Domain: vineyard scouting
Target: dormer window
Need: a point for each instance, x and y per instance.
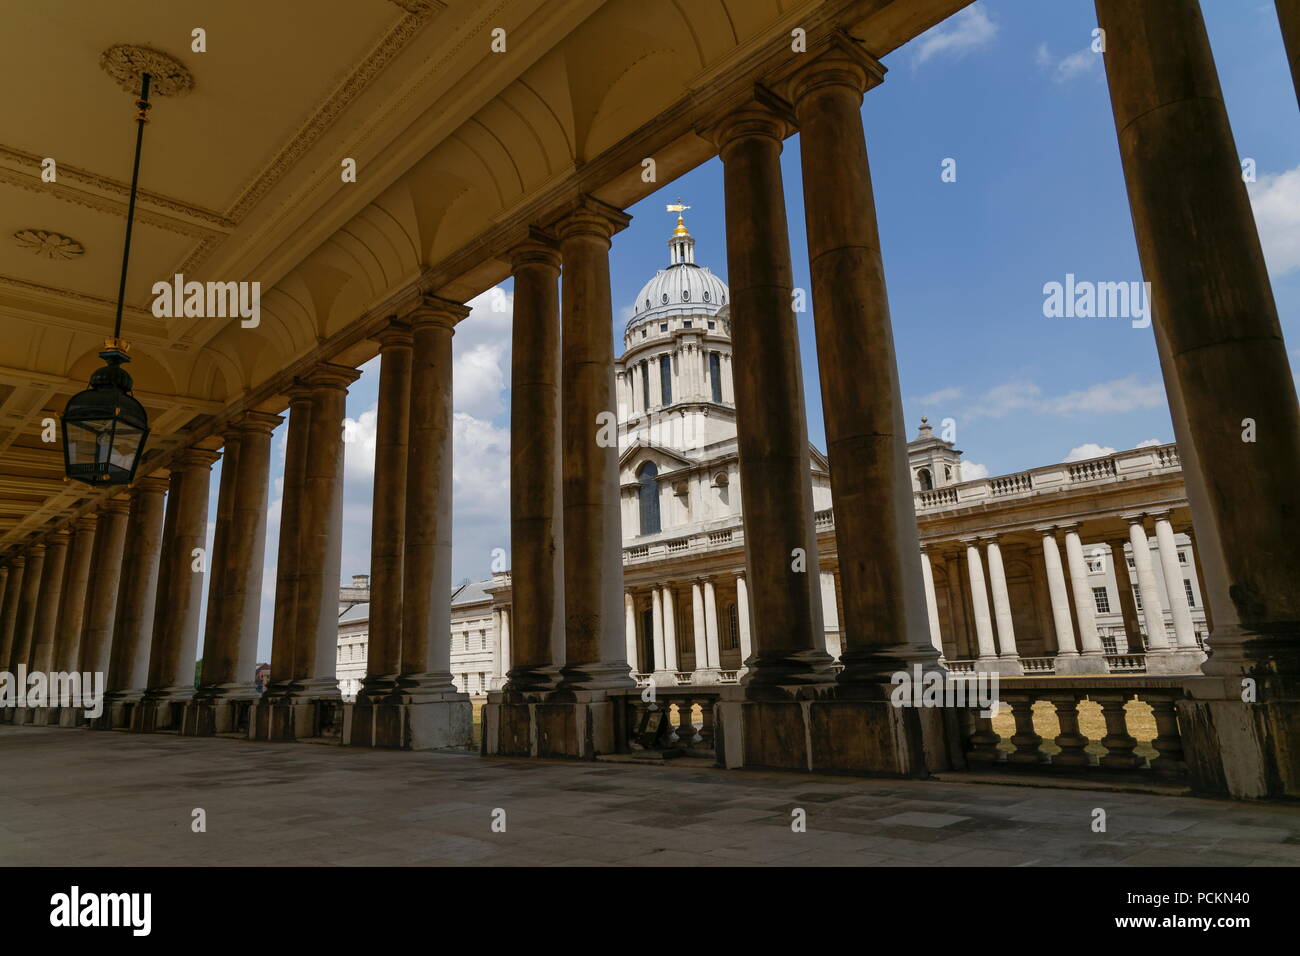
(706, 295)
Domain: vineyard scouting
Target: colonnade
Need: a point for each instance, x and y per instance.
(707, 626)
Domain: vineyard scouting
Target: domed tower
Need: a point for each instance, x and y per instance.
(674, 376)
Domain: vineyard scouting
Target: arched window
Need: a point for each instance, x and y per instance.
(648, 494)
(924, 481)
(733, 629)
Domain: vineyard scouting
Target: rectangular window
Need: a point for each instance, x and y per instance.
(663, 326)
(1102, 600)
(1182, 557)
(686, 324)
(1187, 586)
(1097, 565)
(666, 379)
(1137, 597)
(713, 325)
(715, 376)
(1129, 561)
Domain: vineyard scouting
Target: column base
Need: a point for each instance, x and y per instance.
(158, 714)
(706, 675)
(1081, 664)
(426, 724)
(1242, 749)
(1178, 661)
(827, 729)
(1003, 666)
(296, 718)
(596, 676)
(207, 717)
(118, 708)
(580, 724)
(783, 668)
(664, 678)
(877, 663)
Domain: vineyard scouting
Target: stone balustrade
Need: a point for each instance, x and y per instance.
(676, 722)
(1065, 694)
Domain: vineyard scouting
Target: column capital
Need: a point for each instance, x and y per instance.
(197, 458)
(1046, 530)
(539, 249)
(394, 333)
(17, 561)
(971, 540)
(57, 537)
(35, 549)
(117, 505)
(1135, 517)
(767, 116)
(1164, 514)
(590, 218)
(435, 310)
(152, 484)
(257, 422)
(329, 375)
(840, 61)
(87, 522)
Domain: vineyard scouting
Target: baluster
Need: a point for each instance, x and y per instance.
(636, 713)
(686, 723)
(984, 742)
(1026, 741)
(706, 725)
(1119, 743)
(673, 738)
(1073, 744)
(1168, 742)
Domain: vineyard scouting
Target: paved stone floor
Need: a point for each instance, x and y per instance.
(76, 797)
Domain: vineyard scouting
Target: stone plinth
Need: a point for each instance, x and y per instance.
(438, 724)
(578, 724)
(1242, 749)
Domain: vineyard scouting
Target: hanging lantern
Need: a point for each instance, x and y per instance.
(104, 427)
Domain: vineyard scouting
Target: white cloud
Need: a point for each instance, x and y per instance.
(1149, 443)
(478, 380)
(966, 30)
(970, 471)
(1275, 198)
(1087, 450)
(1114, 397)
(1069, 67)
(359, 446)
(940, 397)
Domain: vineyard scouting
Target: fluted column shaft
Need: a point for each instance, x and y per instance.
(41, 655)
(27, 606)
(72, 609)
(772, 433)
(1216, 328)
(593, 537)
(1153, 611)
(670, 629)
(180, 588)
(388, 521)
(103, 588)
(1127, 604)
(284, 624)
(657, 626)
(629, 632)
(698, 628)
(536, 516)
(885, 620)
(711, 624)
(128, 670)
(13, 598)
(1174, 590)
(426, 564)
(742, 612)
(230, 644)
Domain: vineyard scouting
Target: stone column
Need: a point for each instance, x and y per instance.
(657, 637)
(320, 534)
(41, 655)
(289, 554)
(1220, 343)
(27, 605)
(988, 655)
(1127, 605)
(698, 631)
(669, 605)
(742, 616)
(1008, 656)
(536, 533)
(711, 624)
(1200, 579)
(629, 632)
(931, 602)
(128, 668)
(1092, 656)
(239, 551)
(218, 562)
(957, 606)
(1066, 654)
(885, 619)
(772, 433)
(102, 590)
(9, 619)
(593, 537)
(1174, 590)
(1288, 16)
(173, 651)
(505, 640)
(76, 581)
(388, 521)
(1153, 611)
(426, 590)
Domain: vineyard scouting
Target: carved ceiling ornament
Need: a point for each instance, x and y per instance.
(49, 245)
(126, 63)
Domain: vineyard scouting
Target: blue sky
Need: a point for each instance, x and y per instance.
(1010, 90)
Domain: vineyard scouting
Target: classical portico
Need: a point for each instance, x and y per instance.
(806, 581)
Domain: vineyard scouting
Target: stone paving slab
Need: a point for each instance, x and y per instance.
(74, 797)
